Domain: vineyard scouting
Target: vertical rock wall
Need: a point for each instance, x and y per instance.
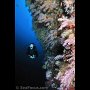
(54, 23)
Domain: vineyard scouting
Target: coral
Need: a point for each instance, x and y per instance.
(54, 23)
(67, 78)
(70, 23)
(48, 74)
(58, 57)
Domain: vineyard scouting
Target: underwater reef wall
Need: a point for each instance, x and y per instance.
(54, 24)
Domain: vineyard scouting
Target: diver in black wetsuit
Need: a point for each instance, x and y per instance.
(32, 51)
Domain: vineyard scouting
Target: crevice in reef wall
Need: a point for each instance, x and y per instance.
(54, 24)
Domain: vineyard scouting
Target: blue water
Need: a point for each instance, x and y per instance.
(27, 72)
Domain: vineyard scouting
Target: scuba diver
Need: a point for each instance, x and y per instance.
(32, 51)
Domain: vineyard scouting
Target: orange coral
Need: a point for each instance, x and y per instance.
(71, 88)
(71, 25)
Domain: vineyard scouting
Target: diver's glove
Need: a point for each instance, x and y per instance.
(32, 57)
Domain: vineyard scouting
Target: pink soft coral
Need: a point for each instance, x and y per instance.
(67, 78)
